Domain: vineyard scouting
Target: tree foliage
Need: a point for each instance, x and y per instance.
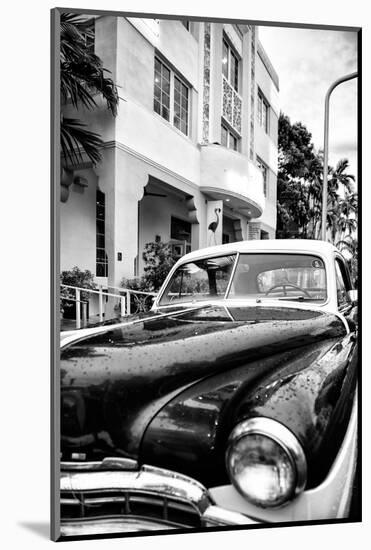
(299, 192)
(158, 261)
(75, 277)
(299, 188)
(82, 79)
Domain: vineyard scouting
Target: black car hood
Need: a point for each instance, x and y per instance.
(115, 382)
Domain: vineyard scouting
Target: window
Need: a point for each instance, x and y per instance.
(230, 64)
(180, 229)
(228, 139)
(101, 268)
(263, 112)
(342, 285)
(264, 170)
(180, 106)
(162, 90)
(200, 280)
(295, 277)
(171, 97)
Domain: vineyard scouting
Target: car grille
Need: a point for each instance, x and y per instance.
(128, 504)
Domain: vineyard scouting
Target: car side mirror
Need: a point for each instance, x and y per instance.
(353, 295)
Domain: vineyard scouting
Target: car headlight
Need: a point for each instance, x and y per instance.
(265, 462)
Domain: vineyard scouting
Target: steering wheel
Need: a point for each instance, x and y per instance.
(284, 286)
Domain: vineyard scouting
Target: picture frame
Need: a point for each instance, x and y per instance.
(56, 239)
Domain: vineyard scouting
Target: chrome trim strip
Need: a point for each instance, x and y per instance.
(281, 435)
(232, 276)
(108, 463)
(115, 525)
(148, 479)
(216, 516)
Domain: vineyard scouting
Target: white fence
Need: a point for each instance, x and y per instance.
(110, 304)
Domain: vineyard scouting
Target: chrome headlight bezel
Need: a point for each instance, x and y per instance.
(284, 438)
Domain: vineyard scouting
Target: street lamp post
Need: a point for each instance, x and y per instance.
(325, 148)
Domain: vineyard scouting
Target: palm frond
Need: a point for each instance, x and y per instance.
(74, 137)
(82, 72)
(82, 78)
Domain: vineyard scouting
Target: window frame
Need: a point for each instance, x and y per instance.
(230, 134)
(219, 295)
(175, 220)
(100, 208)
(173, 77)
(231, 53)
(263, 104)
(261, 164)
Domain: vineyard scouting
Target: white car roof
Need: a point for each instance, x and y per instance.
(268, 245)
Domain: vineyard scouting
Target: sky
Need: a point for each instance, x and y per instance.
(308, 61)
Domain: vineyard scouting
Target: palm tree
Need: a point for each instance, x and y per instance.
(82, 78)
(349, 244)
(336, 205)
(340, 177)
(315, 206)
(347, 222)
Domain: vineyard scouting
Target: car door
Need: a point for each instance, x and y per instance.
(349, 310)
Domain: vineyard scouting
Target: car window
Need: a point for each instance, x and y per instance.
(342, 285)
(200, 280)
(301, 277)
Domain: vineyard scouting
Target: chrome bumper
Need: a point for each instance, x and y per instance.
(115, 496)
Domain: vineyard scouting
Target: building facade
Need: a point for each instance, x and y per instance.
(190, 159)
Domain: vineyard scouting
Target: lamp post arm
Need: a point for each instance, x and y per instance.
(325, 149)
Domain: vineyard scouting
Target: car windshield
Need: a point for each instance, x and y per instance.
(291, 277)
(299, 277)
(200, 280)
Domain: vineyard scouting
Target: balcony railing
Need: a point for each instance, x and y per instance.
(231, 105)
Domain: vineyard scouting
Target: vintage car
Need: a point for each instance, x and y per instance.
(232, 402)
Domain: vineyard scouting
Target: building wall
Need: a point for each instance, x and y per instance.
(266, 144)
(78, 225)
(135, 57)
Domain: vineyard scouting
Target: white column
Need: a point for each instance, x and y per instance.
(122, 178)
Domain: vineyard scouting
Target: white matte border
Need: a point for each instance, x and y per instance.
(25, 271)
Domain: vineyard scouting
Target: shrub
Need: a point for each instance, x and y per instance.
(158, 261)
(77, 277)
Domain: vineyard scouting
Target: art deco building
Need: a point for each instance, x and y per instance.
(191, 157)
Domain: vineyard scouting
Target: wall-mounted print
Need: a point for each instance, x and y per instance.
(205, 207)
